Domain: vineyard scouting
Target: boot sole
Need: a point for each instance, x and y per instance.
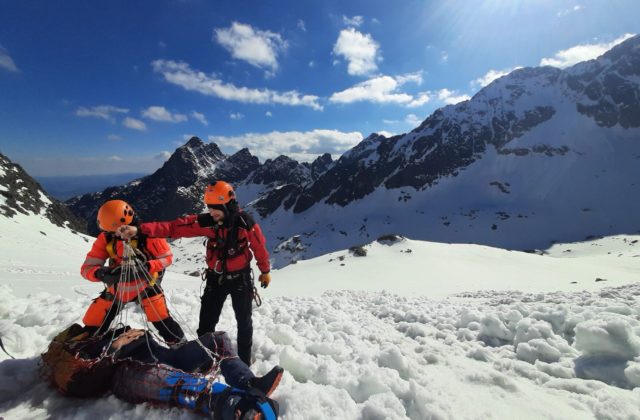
(275, 384)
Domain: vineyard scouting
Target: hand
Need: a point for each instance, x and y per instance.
(265, 279)
(105, 275)
(126, 338)
(127, 232)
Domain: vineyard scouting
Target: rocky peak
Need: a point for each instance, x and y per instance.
(20, 193)
(607, 88)
(281, 170)
(237, 167)
(320, 165)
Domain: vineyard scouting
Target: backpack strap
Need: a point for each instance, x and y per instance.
(111, 245)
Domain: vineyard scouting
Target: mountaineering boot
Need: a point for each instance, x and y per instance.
(247, 410)
(269, 382)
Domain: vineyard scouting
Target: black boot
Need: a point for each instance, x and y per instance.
(269, 382)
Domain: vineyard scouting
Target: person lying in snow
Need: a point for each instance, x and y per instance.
(137, 369)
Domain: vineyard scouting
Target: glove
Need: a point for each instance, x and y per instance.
(105, 275)
(265, 279)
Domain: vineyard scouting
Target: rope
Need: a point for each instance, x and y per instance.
(143, 274)
(5, 350)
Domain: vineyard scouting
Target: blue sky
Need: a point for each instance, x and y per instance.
(112, 87)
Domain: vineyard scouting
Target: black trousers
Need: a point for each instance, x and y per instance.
(240, 287)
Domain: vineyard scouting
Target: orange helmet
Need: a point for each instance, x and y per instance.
(218, 192)
(113, 214)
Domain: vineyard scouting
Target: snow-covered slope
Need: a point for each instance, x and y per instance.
(517, 339)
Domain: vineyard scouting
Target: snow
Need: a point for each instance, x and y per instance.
(445, 331)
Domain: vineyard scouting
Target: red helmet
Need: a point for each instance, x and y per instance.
(218, 192)
(113, 214)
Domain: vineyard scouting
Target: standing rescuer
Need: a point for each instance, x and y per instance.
(119, 289)
(233, 239)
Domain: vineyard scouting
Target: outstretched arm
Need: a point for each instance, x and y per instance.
(162, 255)
(183, 227)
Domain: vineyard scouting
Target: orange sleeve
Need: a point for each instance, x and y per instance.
(162, 256)
(95, 258)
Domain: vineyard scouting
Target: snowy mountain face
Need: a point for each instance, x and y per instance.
(21, 194)
(174, 189)
(538, 156)
(177, 187)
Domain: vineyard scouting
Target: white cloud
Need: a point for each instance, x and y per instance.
(301, 146)
(236, 116)
(490, 76)
(353, 21)
(301, 25)
(181, 74)
(383, 89)
(160, 113)
(312, 64)
(374, 20)
(583, 52)
(256, 47)
(387, 134)
(421, 99)
(164, 155)
(360, 51)
(412, 120)
(268, 114)
(566, 12)
(444, 56)
(199, 117)
(6, 62)
(390, 121)
(114, 137)
(106, 112)
(134, 124)
(115, 158)
(451, 97)
(410, 77)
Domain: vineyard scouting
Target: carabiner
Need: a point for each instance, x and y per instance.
(215, 267)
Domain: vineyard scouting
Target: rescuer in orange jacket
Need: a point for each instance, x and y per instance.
(121, 289)
(234, 238)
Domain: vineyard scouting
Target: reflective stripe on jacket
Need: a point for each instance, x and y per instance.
(157, 251)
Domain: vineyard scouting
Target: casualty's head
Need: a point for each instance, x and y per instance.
(113, 214)
(220, 200)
